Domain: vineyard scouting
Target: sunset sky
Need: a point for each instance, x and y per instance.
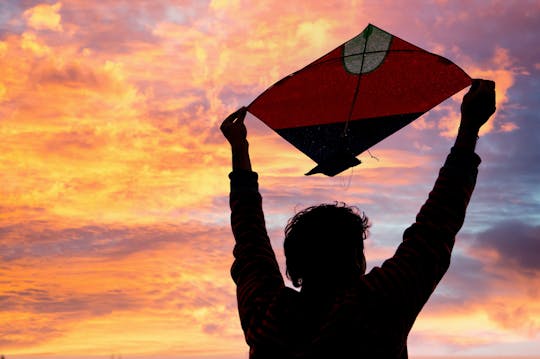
(114, 218)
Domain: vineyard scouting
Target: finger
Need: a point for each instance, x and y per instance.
(475, 84)
(490, 84)
(241, 115)
(487, 87)
(232, 117)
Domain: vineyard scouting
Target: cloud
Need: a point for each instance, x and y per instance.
(490, 288)
(32, 331)
(521, 316)
(500, 69)
(44, 17)
(29, 65)
(496, 277)
(30, 42)
(503, 73)
(466, 283)
(217, 5)
(46, 302)
(512, 244)
(89, 276)
(75, 75)
(54, 240)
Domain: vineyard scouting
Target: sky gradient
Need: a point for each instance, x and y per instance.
(114, 218)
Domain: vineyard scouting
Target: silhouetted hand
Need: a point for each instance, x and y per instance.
(478, 104)
(235, 132)
(233, 128)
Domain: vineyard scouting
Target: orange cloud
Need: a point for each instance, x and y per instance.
(30, 42)
(44, 17)
(503, 73)
(501, 69)
(75, 294)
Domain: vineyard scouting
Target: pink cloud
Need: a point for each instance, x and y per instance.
(500, 69)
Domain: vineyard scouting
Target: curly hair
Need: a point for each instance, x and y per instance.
(323, 240)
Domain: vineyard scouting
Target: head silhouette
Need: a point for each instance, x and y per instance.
(325, 244)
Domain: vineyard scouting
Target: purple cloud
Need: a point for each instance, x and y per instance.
(516, 243)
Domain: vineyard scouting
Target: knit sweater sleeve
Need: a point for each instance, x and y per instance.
(255, 269)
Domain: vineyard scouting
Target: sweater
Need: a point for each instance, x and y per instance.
(371, 318)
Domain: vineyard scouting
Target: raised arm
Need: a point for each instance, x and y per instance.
(447, 202)
(234, 130)
(410, 276)
(255, 269)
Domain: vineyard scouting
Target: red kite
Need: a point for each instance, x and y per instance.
(355, 96)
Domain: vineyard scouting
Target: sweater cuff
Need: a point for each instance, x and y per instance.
(244, 180)
(462, 159)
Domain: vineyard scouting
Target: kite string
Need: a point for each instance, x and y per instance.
(346, 128)
(353, 102)
(345, 182)
(370, 155)
(349, 178)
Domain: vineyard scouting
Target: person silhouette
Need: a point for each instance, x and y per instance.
(340, 311)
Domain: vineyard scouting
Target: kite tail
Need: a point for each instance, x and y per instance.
(335, 164)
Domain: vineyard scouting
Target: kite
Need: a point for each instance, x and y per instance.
(355, 96)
